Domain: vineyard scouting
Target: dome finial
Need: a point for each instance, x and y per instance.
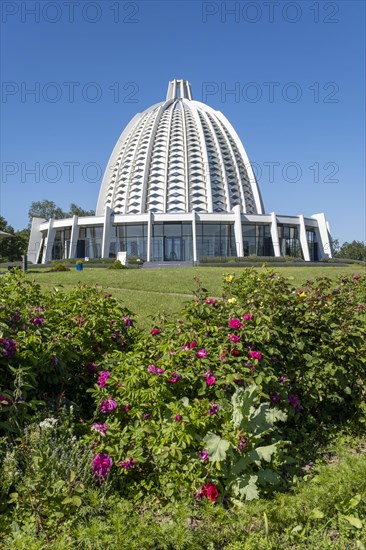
(179, 89)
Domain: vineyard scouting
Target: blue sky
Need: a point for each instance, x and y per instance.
(290, 77)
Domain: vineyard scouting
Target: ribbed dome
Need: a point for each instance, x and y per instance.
(178, 156)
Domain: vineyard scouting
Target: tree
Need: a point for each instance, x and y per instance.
(12, 248)
(356, 250)
(4, 226)
(48, 209)
(76, 210)
(45, 209)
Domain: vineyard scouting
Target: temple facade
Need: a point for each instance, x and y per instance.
(179, 187)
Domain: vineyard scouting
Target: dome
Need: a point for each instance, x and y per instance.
(179, 156)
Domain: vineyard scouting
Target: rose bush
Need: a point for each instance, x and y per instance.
(51, 344)
(206, 400)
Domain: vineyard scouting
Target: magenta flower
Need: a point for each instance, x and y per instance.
(38, 321)
(108, 405)
(210, 380)
(127, 464)
(147, 416)
(214, 407)
(92, 368)
(101, 465)
(247, 317)
(234, 338)
(204, 456)
(127, 408)
(282, 379)
(154, 370)
(178, 418)
(189, 345)
(275, 398)
(100, 428)
(103, 377)
(175, 377)
(256, 355)
(235, 352)
(294, 401)
(8, 348)
(235, 324)
(356, 276)
(201, 353)
(128, 321)
(155, 331)
(210, 301)
(243, 443)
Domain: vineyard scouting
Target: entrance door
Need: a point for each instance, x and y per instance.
(173, 249)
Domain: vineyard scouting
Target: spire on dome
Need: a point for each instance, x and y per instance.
(179, 89)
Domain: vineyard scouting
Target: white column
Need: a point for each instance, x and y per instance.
(47, 251)
(149, 236)
(274, 235)
(107, 227)
(35, 240)
(303, 239)
(326, 246)
(74, 237)
(194, 237)
(238, 231)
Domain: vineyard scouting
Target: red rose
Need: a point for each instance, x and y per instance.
(211, 491)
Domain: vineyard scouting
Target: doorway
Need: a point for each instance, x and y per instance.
(173, 249)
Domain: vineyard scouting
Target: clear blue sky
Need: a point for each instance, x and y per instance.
(296, 70)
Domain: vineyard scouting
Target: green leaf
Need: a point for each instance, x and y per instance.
(246, 488)
(355, 501)
(76, 501)
(268, 476)
(316, 514)
(265, 453)
(355, 522)
(216, 447)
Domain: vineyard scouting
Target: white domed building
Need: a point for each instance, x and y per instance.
(179, 187)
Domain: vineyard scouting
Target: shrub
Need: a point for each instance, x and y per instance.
(134, 260)
(59, 267)
(117, 264)
(45, 476)
(194, 408)
(51, 344)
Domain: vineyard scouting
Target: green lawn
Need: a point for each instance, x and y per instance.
(147, 292)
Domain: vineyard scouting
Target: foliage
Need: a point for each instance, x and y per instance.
(253, 258)
(48, 209)
(12, 248)
(313, 515)
(355, 250)
(117, 264)
(59, 267)
(51, 344)
(134, 260)
(45, 475)
(313, 337)
(198, 400)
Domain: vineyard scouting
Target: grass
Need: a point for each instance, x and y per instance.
(149, 291)
(325, 511)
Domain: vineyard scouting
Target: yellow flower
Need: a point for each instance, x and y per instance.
(229, 278)
(232, 301)
(302, 295)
